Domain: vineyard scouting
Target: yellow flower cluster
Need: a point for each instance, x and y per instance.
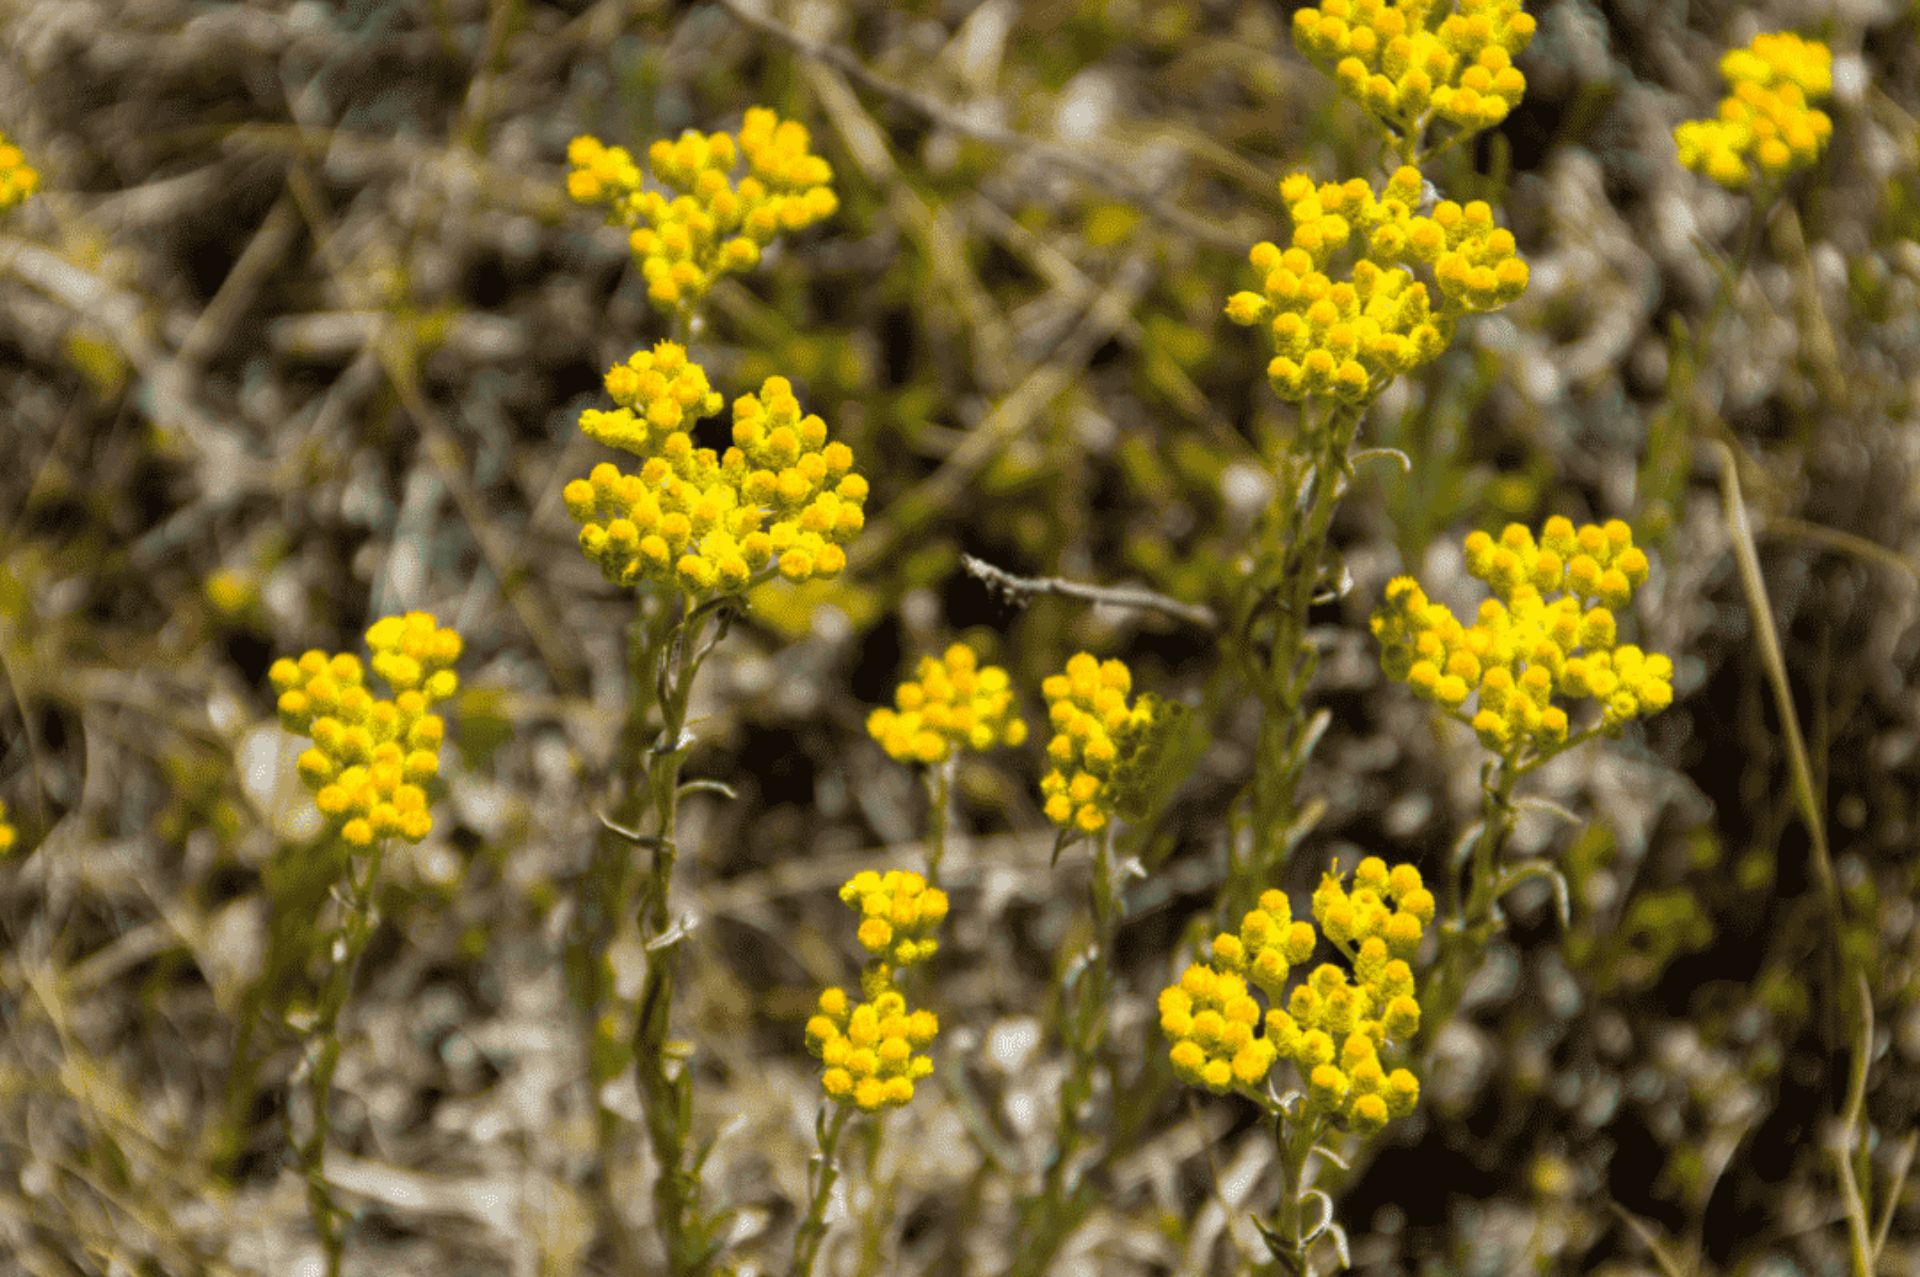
(1213, 1021)
(898, 912)
(1410, 61)
(1097, 744)
(660, 393)
(1333, 1029)
(1767, 118)
(8, 834)
(1349, 337)
(952, 703)
(18, 179)
(704, 223)
(371, 758)
(782, 498)
(871, 1049)
(1549, 631)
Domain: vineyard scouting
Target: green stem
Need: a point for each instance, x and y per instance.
(1049, 1219)
(607, 909)
(667, 1094)
(242, 1071)
(661, 661)
(1294, 1142)
(1855, 1186)
(873, 1231)
(1470, 925)
(939, 816)
(344, 947)
(1280, 591)
(1406, 146)
(821, 1177)
(1496, 826)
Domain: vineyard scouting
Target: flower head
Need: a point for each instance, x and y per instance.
(1339, 1029)
(371, 758)
(782, 499)
(659, 393)
(873, 1050)
(1103, 743)
(1767, 126)
(703, 218)
(952, 703)
(1549, 633)
(18, 179)
(1346, 333)
(1214, 1024)
(1409, 62)
(899, 914)
(9, 836)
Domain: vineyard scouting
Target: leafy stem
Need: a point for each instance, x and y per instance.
(344, 949)
(623, 900)
(875, 1219)
(822, 1173)
(666, 1092)
(605, 904)
(1085, 994)
(1471, 921)
(1270, 632)
(1291, 1237)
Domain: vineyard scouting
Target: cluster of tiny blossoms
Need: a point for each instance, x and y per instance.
(1767, 121)
(1348, 337)
(8, 834)
(704, 223)
(899, 914)
(371, 758)
(1335, 1030)
(782, 498)
(1549, 631)
(658, 393)
(872, 1050)
(18, 179)
(952, 703)
(1395, 59)
(1097, 742)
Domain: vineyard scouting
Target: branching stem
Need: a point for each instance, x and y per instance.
(1008, 584)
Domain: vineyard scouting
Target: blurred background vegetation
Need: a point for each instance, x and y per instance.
(296, 335)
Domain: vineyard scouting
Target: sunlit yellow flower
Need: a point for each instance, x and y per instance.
(371, 758)
(18, 179)
(1338, 1031)
(872, 1051)
(1767, 126)
(952, 703)
(1413, 61)
(1550, 631)
(1099, 743)
(782, 500)
(898, 912)
(699, 220)
(1346, 333)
